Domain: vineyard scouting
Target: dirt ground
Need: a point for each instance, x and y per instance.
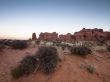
(71, 68)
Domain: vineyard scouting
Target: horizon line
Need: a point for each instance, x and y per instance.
(7, 36)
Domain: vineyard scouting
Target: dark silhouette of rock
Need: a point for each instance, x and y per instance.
(34, 36)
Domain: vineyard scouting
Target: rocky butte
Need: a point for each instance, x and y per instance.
(82, 35)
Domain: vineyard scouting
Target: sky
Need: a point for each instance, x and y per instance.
(20, 18)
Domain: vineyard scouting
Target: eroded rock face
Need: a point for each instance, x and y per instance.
(82, 35)
(91, 35)
(34, 36)
(66, 38)
(48, 36)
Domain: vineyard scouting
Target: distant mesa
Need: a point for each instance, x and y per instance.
(82, 35)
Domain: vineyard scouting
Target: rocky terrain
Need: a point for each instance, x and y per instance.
(71, 68)
(82, 35)
(73, 65)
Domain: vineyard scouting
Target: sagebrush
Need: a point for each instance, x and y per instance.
(27, 65)
(19, 44)
(108, 48)
(81, 50)
(48, 57)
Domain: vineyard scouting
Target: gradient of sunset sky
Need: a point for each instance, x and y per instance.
(20, 18)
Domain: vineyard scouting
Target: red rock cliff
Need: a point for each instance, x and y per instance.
(91, 35)
(48, 36)
(82, 35)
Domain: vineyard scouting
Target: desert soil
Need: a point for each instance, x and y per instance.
(71, 68)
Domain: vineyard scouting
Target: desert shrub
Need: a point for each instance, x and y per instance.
(17, 72)
(63, 47)
(19, 44)
(99, 43)
(90, 69)
(38, 42)
(2, 47)
(57, 43)
(108, 48)
(81, 50)
(27, 65)
(69, 47)
(48, 59)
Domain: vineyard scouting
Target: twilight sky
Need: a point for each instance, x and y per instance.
(20, 18)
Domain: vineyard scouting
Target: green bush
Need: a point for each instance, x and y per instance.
(19, 44)
(27, 66)
(48, 59)
(81, 50)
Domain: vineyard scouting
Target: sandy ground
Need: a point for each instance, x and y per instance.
(68, 70)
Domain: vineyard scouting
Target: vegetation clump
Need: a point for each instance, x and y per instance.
(1, 47)
(81, 50)
(90, 69)
(63, 46)
(27, 65)
(19, 44)
(48, 57)
(108, 48)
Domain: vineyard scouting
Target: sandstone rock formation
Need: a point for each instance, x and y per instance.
(48, 36)
(91, 35)
(66, 38)
(34, 36)
(82, 35)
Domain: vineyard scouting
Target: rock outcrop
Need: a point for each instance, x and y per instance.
(82, 35)
(48, 36)
(91, 35)
(34, 36)
(66, 38)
